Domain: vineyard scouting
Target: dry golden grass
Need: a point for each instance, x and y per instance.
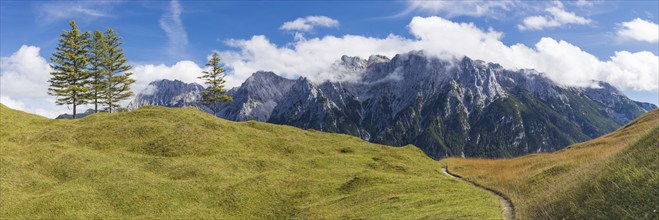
(539, 184)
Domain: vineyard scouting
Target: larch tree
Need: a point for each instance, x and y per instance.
(117, 76)
(214, 79)
(97, 55)
(70, 77)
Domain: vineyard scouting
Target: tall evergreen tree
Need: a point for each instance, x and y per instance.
(117, 77)
(97, 55)
(214, 78)
(70, 77)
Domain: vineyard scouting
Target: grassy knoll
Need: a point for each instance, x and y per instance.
(160, 163)
(613, 176)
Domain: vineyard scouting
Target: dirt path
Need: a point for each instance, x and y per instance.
(507, 208)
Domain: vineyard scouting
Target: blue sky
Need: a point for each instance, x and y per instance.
(573, 41)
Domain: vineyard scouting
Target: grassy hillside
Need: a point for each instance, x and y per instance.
(613, 176)
(181, 163)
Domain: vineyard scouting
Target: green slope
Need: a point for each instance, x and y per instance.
(615, 176)
(628, 187)
(181, 163)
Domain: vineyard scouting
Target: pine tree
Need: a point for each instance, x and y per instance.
(117, 78)
(97, 54)
(214, 78)
(69, 77)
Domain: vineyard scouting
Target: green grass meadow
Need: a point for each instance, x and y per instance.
(156, 163)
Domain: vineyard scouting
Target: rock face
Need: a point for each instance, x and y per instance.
(168, 93)
(445, 107)
(256, 97)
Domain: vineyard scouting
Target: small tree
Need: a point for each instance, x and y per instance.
(70, 76)
(214, 78)
(97, 55)
(117, 78)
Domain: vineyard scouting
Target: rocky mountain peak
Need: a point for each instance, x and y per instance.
(263, 75)
(353, 62)
(168, 85)
(468, 63)
(606, 88)
(263, 80)
(413, 58)
(256, 97)
(170, 93)
(377, 59)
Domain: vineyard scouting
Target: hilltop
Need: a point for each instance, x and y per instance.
(158, 162)
(610, 177)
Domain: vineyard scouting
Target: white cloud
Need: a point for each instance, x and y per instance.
(637, 71)
(563, 62)
(640, 30)
(172, 25)
(149, 90)
(311, 58)
(51, 11)
(25, 73)
(41, 106)
(11, 103)
(308, 23)
(186, 71)
(584, 3)
(452, 8)
(24, 83)
(557, 17)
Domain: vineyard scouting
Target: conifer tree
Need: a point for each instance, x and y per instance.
(117, 77)
(70, 77)
(214, 78)
(97, 55)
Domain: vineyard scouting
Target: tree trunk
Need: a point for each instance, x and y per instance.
(74, 108)
(96, 101)
(110, 87)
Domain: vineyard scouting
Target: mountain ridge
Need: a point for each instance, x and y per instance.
(446, 107)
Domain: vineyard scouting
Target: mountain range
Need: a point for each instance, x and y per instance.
(446, 107)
